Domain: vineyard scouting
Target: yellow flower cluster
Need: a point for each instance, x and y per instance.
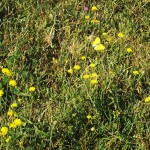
(4, 131)
(7, 72)
(32, 89)
(17, 122)
(147, 99)
(12, 83)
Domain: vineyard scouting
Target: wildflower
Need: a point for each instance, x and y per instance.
(121, 35)
(19, 100)
(86, 76)
(14, 105)
(86, 8)
(135, 72)
(8, 139)
(104, 34)
(77, 67)
(1, 93)
(4, 131)
(87, 17)
(32, 89)
(92, 129)
(129, 50)
(10, 112)
(94, 8)
(83, 58)
(94, 81)
(12, 83)
(88, 116)
(95, 21)
(92, 65)
(147, 99)
(70, 71)
(93, 75)
(6, 71)
(16, 123)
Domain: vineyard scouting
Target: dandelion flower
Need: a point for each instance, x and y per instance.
(94, 75)
(88, 116)
(32, 89)
(12, 83)
(86, 76)
(10, 112)
(129, 50)
(94, 8)
(14, 105)
(94, 81)
(120, 34)
(1, 93)
(95, 21)
(147, 99)
(8, 139)
(83, 58)
(17, 122)
(4, 131)
(135, 72)
(87, 17)
(7, 71)
(104, 34)
(92, 65)
(76, 67)
(70, 71)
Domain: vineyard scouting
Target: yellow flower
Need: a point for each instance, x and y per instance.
(129, 50)
(17, 122)
(12, 83)
(104, 34)
(77, 67)
(19, 100)
(147, 99)
(92, 129)
(7, 71)
(94, 81)
(83, 58)
(94, 8)
(86, 76)
(1, 93)
(32, 89)
(94, 75)
(92, 65)
(8, 139)
(135, 72)
(88, 116)
(10, 112)
(14, 105)
(70, 71)
(87, 17)
(121, 35)
(4, 131)
(95, 21)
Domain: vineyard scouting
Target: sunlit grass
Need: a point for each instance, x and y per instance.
(74, 75)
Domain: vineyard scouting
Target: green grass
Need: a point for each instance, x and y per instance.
(40, 41)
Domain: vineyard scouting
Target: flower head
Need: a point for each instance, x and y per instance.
(70, 71)
(87, 17)
(147, 99)
(120, 34)
(86, 8)
(94, 81)
(10, 112)
(88, 116)
(32, 89)
(94, 8)
(129, 50)
(7, 71)
(17, 122)
(83, 58)
(14, 105)
(94, 75)
(4, 131)
(86, 76)
(12, 83)
(1, 93)
(76, 67)
(92, 65)
(135, 72)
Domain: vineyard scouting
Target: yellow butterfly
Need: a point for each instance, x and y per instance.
(97, 45)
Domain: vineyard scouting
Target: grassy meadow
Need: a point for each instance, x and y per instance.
(74, 75)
